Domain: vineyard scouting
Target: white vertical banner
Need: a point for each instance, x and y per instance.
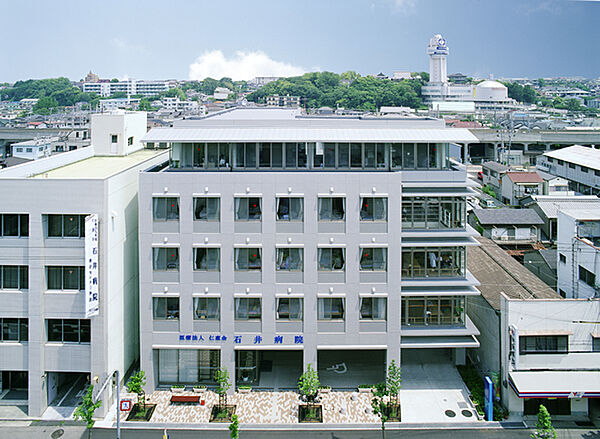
(91, 265)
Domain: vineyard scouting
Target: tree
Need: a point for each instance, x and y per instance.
(45, 105)
(144, 105)
(136, 384)
(544, 425)
(394, 381)
(234, 431)
(221, 376)
(380, 404)
(86, 409)
(308, 384)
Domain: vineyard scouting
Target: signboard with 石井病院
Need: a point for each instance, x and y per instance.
(91, 266)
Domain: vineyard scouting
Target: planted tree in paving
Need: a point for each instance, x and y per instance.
(85, 411)
(136, 384)
(394, 381)
(381, 404)
(308, 384)
(544, 425)
(223, 385)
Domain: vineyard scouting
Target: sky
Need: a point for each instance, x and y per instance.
(241, 39)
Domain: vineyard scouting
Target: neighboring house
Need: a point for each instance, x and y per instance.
(519, 185)
(506, 225)
(579, 253)
(492, 175)
(554, 185)
(221, 93)
(33, 149)
(542, 263)
(283, 101)
(547, 207)
(578, 164)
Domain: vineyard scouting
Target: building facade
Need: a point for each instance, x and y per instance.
(273, 244)
(578, 164)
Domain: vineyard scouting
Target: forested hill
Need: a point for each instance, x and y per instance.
(348, 90)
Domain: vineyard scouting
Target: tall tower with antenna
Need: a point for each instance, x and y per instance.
(438, 52)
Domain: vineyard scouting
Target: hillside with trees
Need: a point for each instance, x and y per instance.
(348, 90)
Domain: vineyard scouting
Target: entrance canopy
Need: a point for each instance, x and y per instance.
(556, 384)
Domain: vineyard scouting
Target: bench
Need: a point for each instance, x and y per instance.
(185, 398)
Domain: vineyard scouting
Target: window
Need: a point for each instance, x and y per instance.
(584, 169)
(247, 308)
(373, 209)
(563, 258)
(14, 225)
(433, 310)
(597, 173)
(544, 344)
(65, 278)
(330, 308)
(13, 329)
(68, 330)
(165, 208)
(572, 165)
(550, 159)
(130, 141)
(207, 209)
(373, 308)
(206, 308)
(207, 259)
(28, 150)
(66, 226)
(247, 209)
(290, 259)
(587, 276)
(113, 138)
(433, 212)
(331, 259)
(247, 259)
(14, 277)
(560, 162)
(165, 308)
(289, 308)
(187, 366)
(332, 209)
(165, 259)
(595, 344)
(290, 209)
(433, 262)
(373, 259)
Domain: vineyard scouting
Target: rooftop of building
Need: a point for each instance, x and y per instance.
(587, 214)
(498, 272)
(524, 177)
(577, 154)
(551, 206)
(495, 166)
(507, 216)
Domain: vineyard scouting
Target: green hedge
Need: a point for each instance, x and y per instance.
(476, 386)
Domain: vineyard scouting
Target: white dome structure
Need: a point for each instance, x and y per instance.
(490, 91)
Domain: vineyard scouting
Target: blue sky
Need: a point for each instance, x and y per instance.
(237, 38)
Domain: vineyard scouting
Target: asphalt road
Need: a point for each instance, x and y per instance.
(69, 432)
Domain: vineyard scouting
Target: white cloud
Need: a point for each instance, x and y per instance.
(242, 65)
(403, 6)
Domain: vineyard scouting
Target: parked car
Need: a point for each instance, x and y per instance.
(488, 203)
(480, 175)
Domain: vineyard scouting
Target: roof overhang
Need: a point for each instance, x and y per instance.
(555, 384)
(469, 341)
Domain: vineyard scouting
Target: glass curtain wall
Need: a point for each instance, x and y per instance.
(433, 310)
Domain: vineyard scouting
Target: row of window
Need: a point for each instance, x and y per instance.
(16, 277)
(415, 310)
(287, 259)
(13, 329)
(58, 226)
(584, 169)
(303, 156)
(58, 330)
(288, 209)
(14, 225)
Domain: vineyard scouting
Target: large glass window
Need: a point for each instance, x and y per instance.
(290, 209)
(247, 308)
(331, 259)
(330, 308)
(66, 226)
(14, 329)
(207, 259)
(207, 209)
(14, 277)
(418, 155)
(247, 259)
(433, 212)
(332, 209)
(14, 225)
(68, 330)
(164, 258)
(165, 208)
(65, 278)
(289, 259)
(373, 209)
(373, 259)
(373, 308)
(544, 344)
(289, 308)
(165, 308)
(433, 262)
(187, 366)
(433, 310)
(247, 209)
(295, 155)
(206, 308)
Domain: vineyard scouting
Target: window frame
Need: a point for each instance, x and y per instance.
(368, 253)
(81, 324)
(322, 208)
(22, 329)
(364, 203)
(80, 226)
(161, 211)
(206, 250)
(210, 315)
(157, 259)
(248, 265)
(257, 217)
(559, 340)
(162, 308)
(250, 315)
(280, 314)
(210, 217)
(326, 313)
(22, 225)
(322, 250)
(22, 277)
(278, 205)
(374, 314)
(62, 268)
(280, 253)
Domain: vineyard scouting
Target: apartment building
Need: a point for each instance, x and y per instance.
(130, 87)
(578, 164)
(578, 243)
(67, 321)
(270, 243)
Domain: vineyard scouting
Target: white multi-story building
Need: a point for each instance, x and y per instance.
(177, 105)
(130, 87)
(49, 349)
(267, 244)
(578, 164)
(578, 251)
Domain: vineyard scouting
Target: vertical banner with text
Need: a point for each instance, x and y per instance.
(91, 265)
